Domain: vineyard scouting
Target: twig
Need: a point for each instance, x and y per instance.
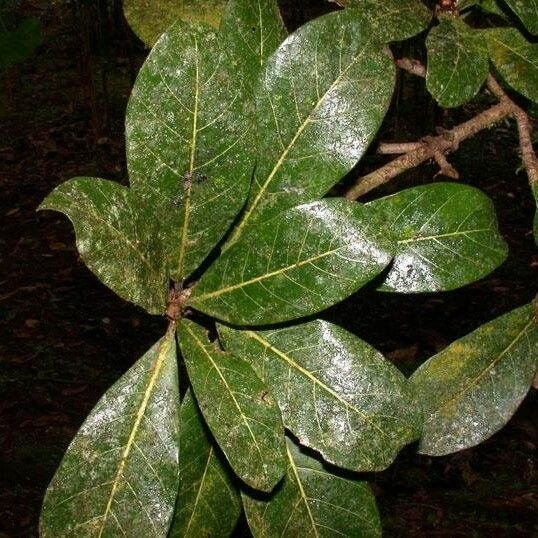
(448, 141)
(414, 67)
(416, 153)
(530, 162)
(397, 148)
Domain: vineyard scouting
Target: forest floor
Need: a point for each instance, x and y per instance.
(64, 337)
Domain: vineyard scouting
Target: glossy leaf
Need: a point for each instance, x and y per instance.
(473, 387)
(116, 238)
(527, 11)
(447, 237)
(391, 20)
(491, 6)
(313, 502)
(516, 60)
(208, 504)
(252, 31)
(151, 18)
(458, 62)
(188, 142)
(302, 261)
(238, 408)
(119, 476)
(320, 102)
(337, 394)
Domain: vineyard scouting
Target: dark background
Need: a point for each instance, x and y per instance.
(64, 337)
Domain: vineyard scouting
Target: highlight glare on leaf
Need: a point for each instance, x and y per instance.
(299, 263)
(337, 394)
(125, 455)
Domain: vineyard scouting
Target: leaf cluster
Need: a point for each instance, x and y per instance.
(235, 136)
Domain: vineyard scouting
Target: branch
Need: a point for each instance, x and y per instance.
(416, 153)
(530, 162)
(386, 148)
(428, 149)
(415, 67)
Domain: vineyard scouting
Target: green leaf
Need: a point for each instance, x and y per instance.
(491, 7)
(19, 44)
(116, 238)
(458, 62)
(447, 237)
(472, 388)
(391, 20)
(337, 394)
(299, 263)
(237, 406)
(527, 11)
(150, 18)
(516, 60)
(320, 102)
(189, 151)
(313, 502)
(252, 30)
(208, 504)
(119, 476)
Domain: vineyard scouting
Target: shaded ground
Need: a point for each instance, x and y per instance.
(64, 338)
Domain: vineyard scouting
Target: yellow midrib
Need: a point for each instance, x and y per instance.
(283, 156)
(163, 351)
(488, 368)
(260, 278)
(187, 204)
(228, 388)
(304, 497)
(313, 379)
(198, 493)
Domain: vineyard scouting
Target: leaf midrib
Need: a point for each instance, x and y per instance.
(163, 351)
(228, 388)
(289, 147)
(313, 379)
(187, 203)
(488, 368)
(302, 492)
(265, 276)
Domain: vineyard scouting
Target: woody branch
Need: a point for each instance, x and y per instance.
(415, 153)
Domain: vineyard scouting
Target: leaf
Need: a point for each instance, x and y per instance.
(321, 100)
(472, 388)
(447, 237)
(19, 44)
(458, 62)
(491, 7)
(151, 18)
(116, 238)
(208, 503)
(391, 20)
(237, 407)
(313, 502)
(252, 31)
(189, 151)
(119, 476)
(337, 394)
(299, 263)
(527, 11)
(516, 60)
